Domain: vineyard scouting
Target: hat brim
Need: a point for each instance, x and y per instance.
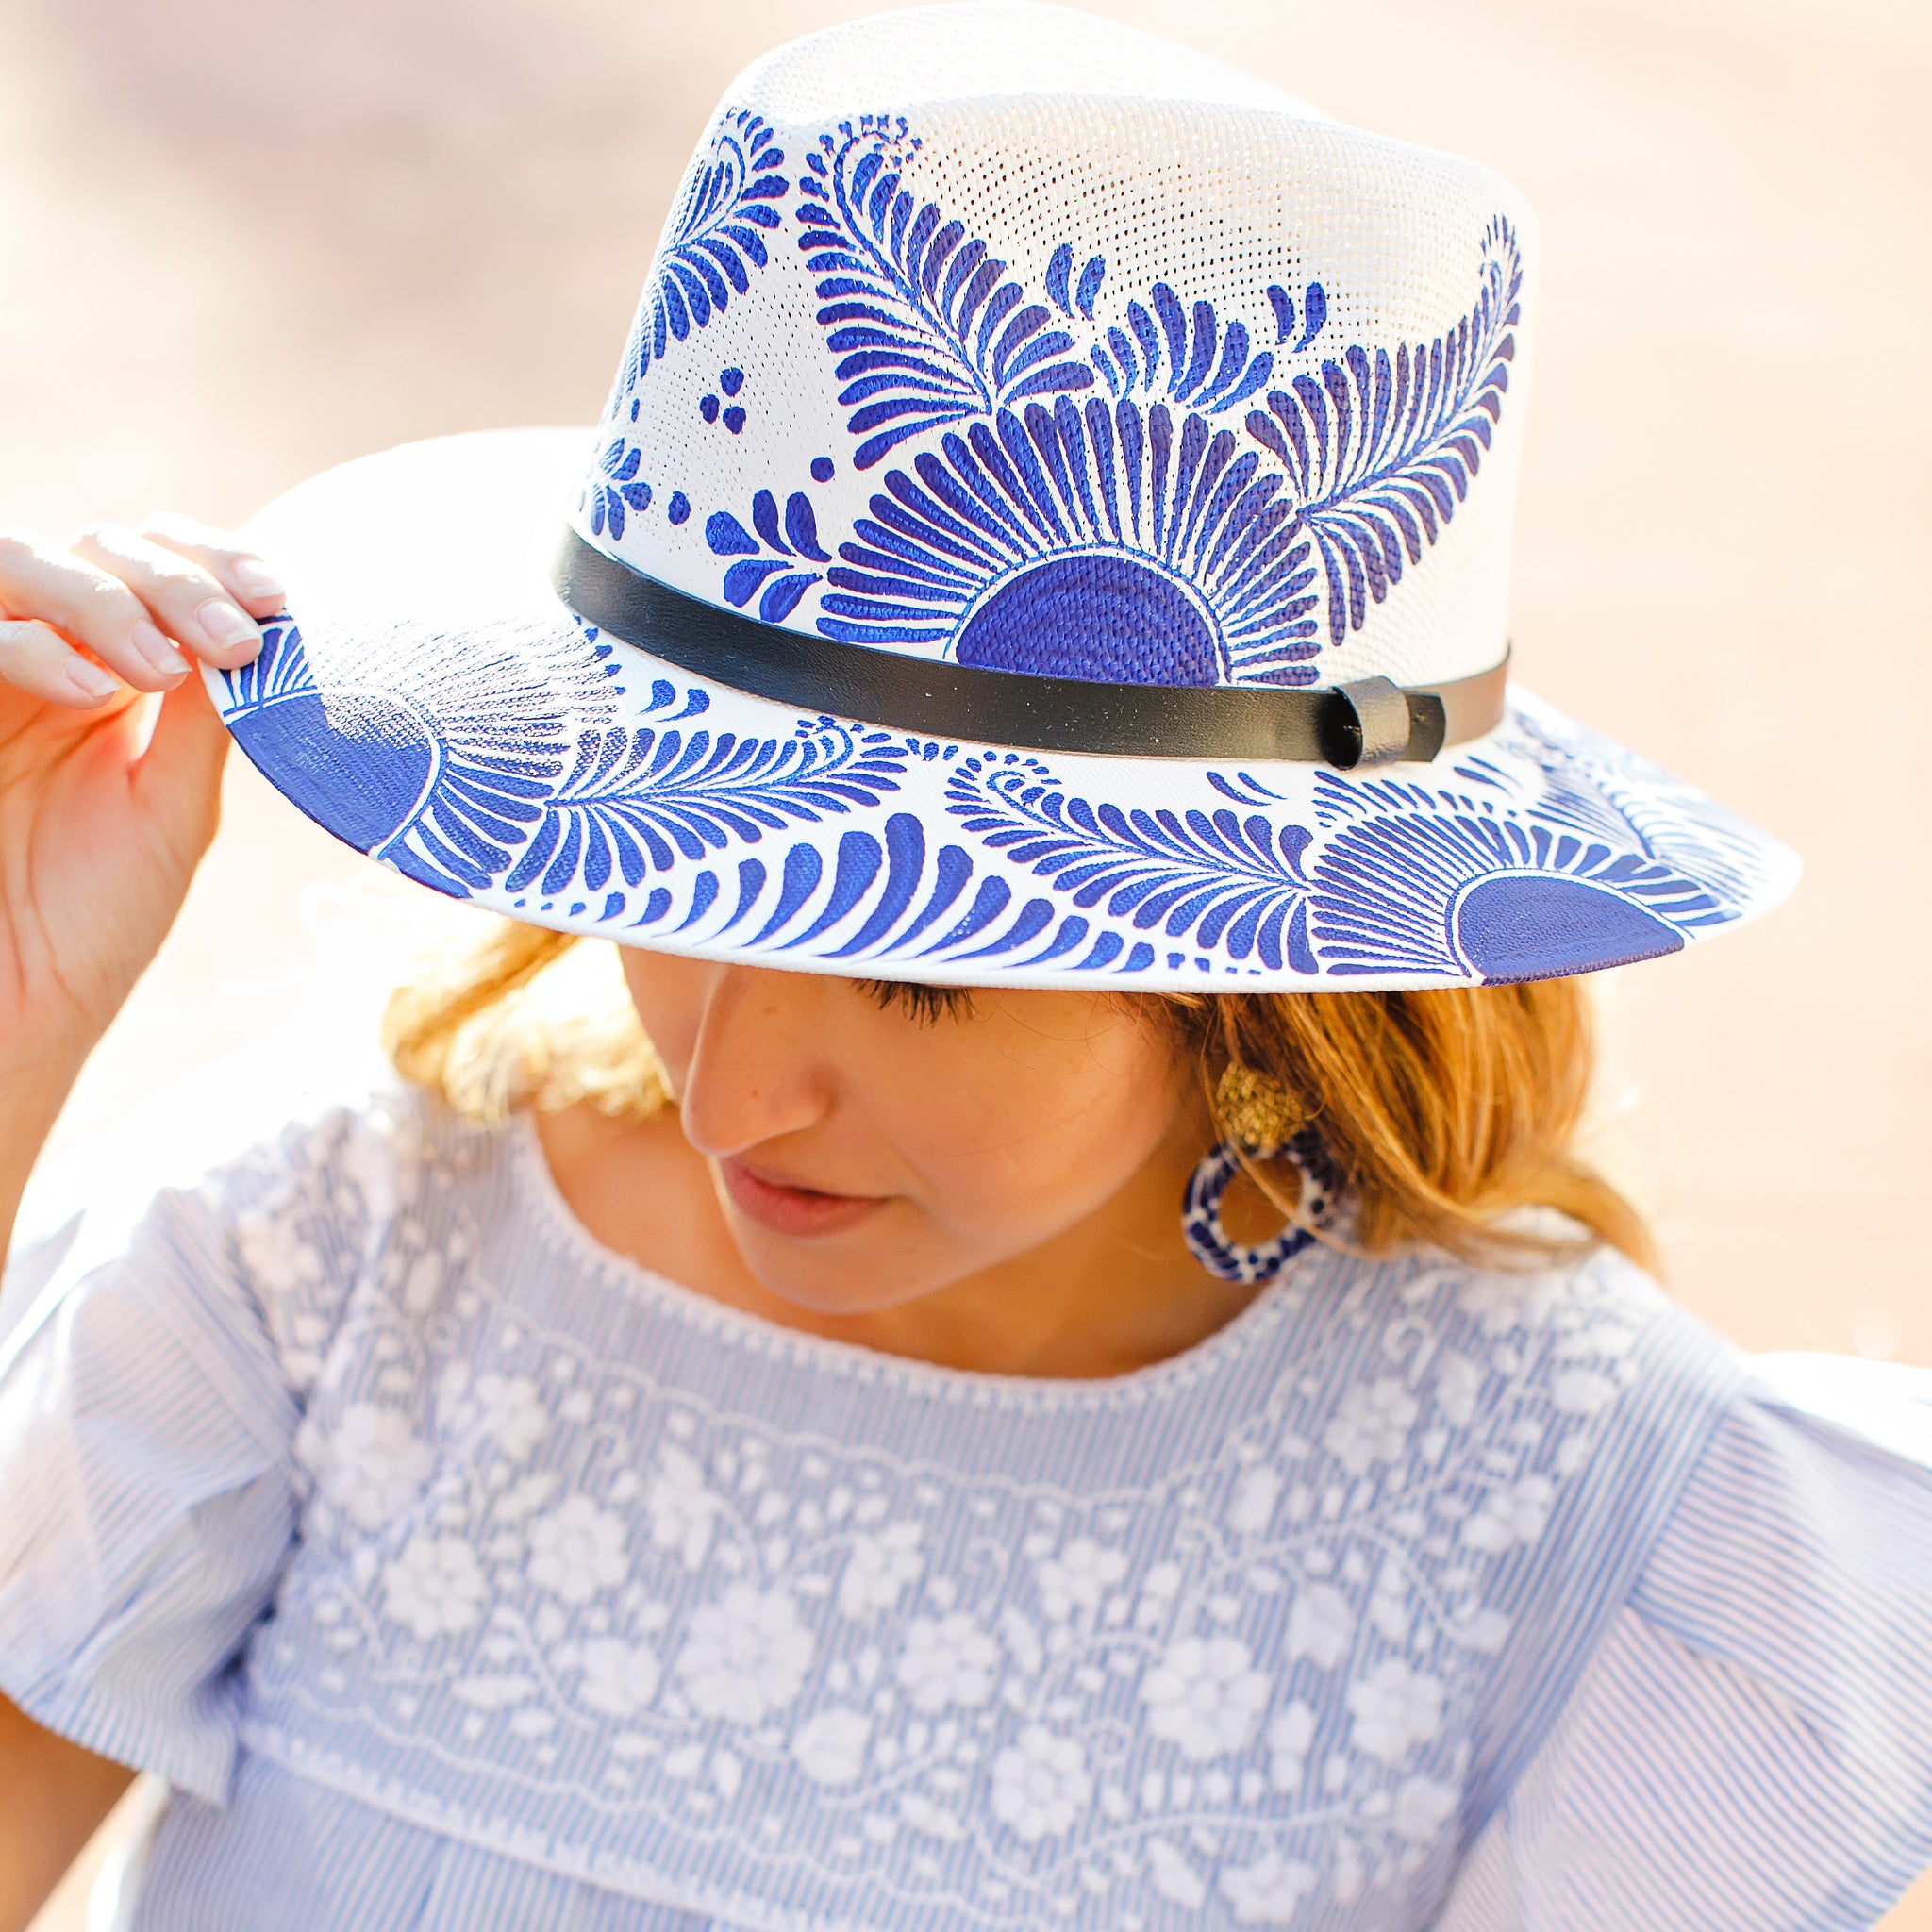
(430, 700)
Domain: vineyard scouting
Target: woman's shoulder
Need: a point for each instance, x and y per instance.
(1766, 1672)
(271, 1178)
(1579, 1338)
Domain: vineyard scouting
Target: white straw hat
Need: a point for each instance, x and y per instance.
(1051, 527)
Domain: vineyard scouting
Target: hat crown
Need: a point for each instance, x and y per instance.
(1000, 335)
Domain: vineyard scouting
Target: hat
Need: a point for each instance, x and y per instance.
(1050, 527)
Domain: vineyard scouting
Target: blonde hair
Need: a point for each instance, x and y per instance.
(1450, 1112)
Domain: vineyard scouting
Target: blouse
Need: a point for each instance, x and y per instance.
(454, 1572)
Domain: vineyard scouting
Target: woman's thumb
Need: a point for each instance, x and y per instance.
(177, 779)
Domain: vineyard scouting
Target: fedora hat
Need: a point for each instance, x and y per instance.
(1051, 527)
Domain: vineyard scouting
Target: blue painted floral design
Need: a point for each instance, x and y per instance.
(926, 325)
(1314, 315)
(615, 488)
(635, 800)
(1214, 880)
(446, 794)
(502, 779)
(1463, 883)
(1137, 543)
(508, 773)
(732, 414)
(1204, 365)
(767, 565)
(1113, 544)
(1379, 450)
(911, 906)
(1603, 791)
(716, 238)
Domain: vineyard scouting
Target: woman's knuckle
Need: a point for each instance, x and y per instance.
(17, 546)
(20, 639)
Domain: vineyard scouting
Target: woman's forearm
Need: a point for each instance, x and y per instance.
(31, 1096)
(52, 1797)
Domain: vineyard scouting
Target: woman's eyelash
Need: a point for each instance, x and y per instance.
(926, 1003)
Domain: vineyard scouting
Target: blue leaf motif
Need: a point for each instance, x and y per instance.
(1314, 314)
(1009, 543)
(767, 567)
(716, 238)
(636, 800)
(1181, 352)
(1380, 449)
(1088, 291)
(1217, 881)
(616, 488)
(1442, 881)
(726, 537)
(926, 326)
(1059, 271)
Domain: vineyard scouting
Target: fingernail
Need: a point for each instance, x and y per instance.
(90, 680)
(225, 626)
(160, 654)
(252, 580)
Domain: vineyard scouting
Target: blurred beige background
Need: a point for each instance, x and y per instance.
(245, 239)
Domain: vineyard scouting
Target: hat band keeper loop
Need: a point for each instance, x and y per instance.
(1371, 721)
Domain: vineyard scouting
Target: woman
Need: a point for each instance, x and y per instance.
(1054, 1361)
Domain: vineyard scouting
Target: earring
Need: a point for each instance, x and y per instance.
(1260, 1117)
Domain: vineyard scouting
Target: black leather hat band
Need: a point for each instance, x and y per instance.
(1368, 723)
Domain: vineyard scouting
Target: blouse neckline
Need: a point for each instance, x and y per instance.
(544, 1200)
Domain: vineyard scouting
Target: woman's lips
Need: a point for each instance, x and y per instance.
(787, 1209)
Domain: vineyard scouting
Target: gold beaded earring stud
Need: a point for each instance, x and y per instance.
(1254, 1110)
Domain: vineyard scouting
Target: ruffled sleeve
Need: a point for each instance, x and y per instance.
(155, 1346)
(1750, 1746)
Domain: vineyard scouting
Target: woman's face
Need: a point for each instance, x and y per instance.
(866, 1152)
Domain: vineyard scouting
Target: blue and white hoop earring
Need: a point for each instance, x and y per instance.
(1256, 1113)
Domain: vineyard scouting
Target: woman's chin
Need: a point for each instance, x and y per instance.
(860, 1271)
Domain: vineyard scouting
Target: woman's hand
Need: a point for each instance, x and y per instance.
(107, 801)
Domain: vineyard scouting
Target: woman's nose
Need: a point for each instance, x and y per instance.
(755, 1070)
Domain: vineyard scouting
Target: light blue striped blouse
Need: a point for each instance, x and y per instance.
(455, 1573)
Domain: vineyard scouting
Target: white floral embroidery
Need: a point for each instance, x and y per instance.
(1423, 1806)
(879, 1570)
(1206, 1697)
(681, 1506)
(947, 1660)
(1077, 1577)
(435, 1585)
(374, 1465)
(578, 1550)
(1173, 1874)
(1394, 1708)
(275, 1253)
(1241, 1687)
(1582, 1391)
(1372, 1425)
(1459, 1382)
(745, 1656)
(1516, 1514)
(1321, 1626)
(1040, 1784)
(829, 1748)
(510, 1411)
(1269, 1891)
(1251, 1508)
(1500, 1301)
(619, 1678)
(1290, 1736)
